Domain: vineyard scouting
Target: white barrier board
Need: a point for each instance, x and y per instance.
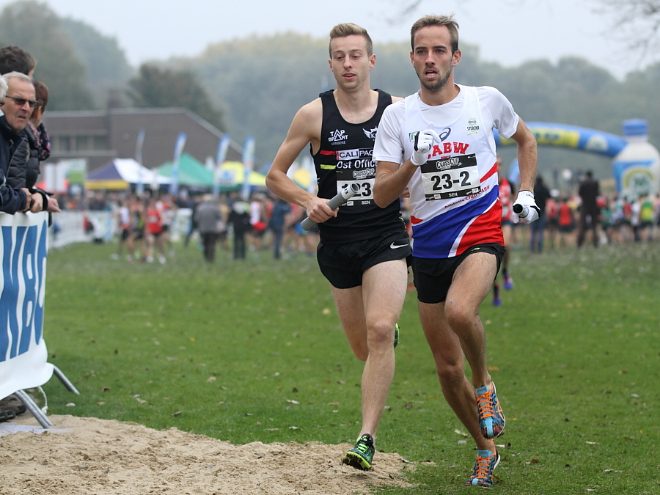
(23, 252)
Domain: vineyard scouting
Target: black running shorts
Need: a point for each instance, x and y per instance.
(433, 276)
(344, 264)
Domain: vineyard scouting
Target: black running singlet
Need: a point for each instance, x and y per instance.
(346, 157)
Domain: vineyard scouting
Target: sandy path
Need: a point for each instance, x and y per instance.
(83, 456)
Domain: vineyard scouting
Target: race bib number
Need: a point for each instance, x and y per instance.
(451, 177)
(364, 196)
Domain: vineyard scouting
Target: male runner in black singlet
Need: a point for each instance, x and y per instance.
(363, 248)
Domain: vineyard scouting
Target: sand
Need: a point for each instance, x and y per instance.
(83, 456)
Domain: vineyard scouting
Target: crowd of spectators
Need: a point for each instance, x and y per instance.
(145, 225)
(590, 216)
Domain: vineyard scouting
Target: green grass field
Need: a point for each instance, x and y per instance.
(253, 351)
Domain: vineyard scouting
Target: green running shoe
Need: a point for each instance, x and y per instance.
(362, 454)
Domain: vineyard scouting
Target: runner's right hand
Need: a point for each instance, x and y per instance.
(422, 146)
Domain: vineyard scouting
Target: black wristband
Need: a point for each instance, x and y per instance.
(44, 196)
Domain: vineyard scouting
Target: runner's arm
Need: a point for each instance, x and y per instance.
(391, 181)
(392, 176)
(305, 129)
(527, 156)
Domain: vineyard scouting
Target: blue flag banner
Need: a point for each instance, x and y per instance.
(248, 165)
(178, 150)
(23, 252)
(139, 144)
(221, 155)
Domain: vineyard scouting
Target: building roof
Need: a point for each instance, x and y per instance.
(99, 136)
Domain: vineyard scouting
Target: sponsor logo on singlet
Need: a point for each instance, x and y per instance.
(449, 147)
(338, 136)
(443, 135)
(370, 133)
(348, 154)
(363, 174)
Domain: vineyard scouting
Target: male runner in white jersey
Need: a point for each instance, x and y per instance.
(439, 143)
(363, 248)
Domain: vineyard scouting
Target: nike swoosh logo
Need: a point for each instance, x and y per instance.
(397, 246)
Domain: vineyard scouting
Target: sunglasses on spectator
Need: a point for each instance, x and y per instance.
(22, 101)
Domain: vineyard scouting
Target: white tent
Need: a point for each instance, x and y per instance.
(131, 171)
(121, 172)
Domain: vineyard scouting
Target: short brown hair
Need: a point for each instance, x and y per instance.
(436, 20)
(349, 29)
(14, 58)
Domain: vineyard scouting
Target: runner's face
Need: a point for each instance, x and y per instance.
(432, 57)
(350, 62)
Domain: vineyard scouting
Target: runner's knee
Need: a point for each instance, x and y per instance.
(458, 316)
(451, 374)
(380, 333)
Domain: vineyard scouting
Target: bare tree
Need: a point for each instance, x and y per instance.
(407, 8)
(638, 19)
(637, 22)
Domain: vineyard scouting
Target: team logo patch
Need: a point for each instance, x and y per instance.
(338, 136)
(370, 133)
(472, 126)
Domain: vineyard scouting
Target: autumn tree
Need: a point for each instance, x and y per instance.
(36, 28)
(156, 87)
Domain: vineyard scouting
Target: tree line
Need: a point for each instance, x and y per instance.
(253, 86)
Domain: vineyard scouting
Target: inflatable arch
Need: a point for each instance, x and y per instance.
(635, 161)
(572, 137)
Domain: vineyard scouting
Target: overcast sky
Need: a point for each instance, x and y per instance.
(506, 31)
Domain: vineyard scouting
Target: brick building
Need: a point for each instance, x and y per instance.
(99, 136)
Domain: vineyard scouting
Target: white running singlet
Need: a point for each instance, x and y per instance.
(454, 196)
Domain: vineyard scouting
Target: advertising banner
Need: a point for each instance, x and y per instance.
(23, 252)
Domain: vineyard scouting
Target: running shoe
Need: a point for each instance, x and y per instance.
(508, 283)
(362, 454)
(482, 473)
(491, 417)
(396, 334)
(496, 295)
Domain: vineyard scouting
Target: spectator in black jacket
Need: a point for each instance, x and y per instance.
(39, 147)
(15, 59)
(239, 220)
(541, 195)
(17, 106)
(589, 191)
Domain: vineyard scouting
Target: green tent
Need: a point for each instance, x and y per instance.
(190, 172)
